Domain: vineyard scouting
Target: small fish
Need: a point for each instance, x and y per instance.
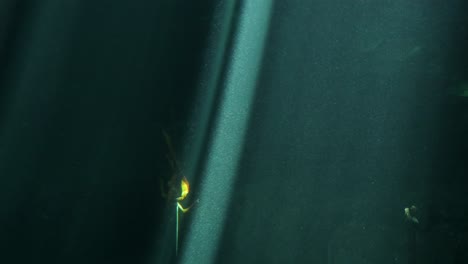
(409, 214)
(170, 191)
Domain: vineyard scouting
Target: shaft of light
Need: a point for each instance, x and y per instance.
(231, 124)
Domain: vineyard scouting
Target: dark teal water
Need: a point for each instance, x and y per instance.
(358, 113)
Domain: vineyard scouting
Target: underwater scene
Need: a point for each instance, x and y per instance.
(222, 132)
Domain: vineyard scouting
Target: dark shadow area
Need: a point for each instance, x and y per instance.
(443, 237)
(86, 89)
(15, 15)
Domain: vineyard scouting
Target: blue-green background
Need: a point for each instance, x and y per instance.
(356, 114)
